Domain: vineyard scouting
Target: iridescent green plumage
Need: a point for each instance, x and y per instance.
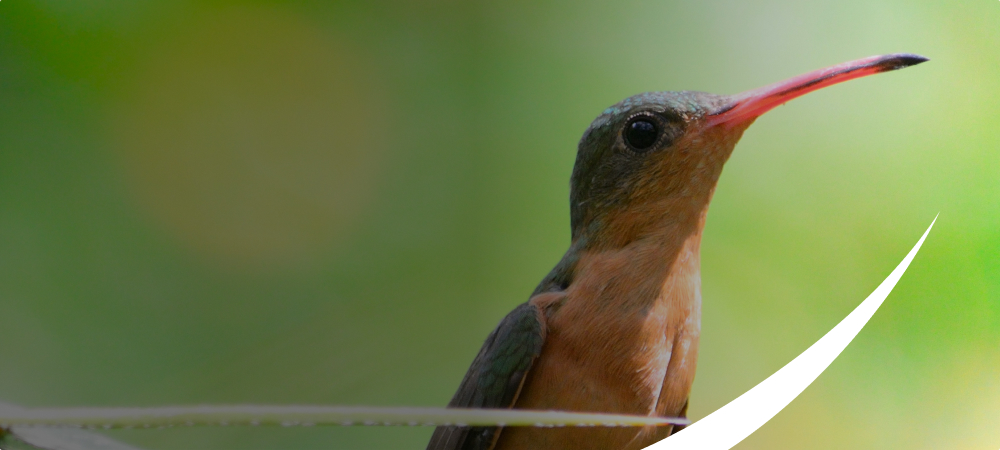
(495, 377)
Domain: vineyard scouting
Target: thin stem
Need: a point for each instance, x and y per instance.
(254, 415)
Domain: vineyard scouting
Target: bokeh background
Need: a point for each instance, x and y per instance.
(335, 202)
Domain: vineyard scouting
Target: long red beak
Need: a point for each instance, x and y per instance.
(751, 104)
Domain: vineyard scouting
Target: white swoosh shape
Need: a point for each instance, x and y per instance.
(732, 423)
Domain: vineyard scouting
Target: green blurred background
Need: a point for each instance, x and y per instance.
(334, 203)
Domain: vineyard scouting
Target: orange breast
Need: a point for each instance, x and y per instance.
(624, 339)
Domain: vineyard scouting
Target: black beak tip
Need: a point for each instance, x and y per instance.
(899, 61)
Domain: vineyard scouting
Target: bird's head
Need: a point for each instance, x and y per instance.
(651, 162)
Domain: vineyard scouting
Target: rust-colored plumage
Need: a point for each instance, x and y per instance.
(614, 327)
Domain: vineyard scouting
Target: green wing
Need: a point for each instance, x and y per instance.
(495, 377)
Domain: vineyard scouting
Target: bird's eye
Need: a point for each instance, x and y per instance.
(641, 133)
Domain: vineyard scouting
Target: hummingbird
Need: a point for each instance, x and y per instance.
(614, 327)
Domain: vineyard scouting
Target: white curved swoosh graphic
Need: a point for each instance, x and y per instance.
(732, 423)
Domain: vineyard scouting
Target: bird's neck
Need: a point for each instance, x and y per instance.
(662, 266)
(642, 260)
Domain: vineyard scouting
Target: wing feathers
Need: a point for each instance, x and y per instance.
(495, 377)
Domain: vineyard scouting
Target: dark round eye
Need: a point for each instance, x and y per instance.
(641, 133)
